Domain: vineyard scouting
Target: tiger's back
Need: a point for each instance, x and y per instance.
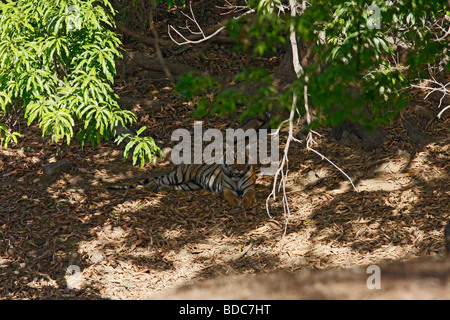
(191, 177)
(236, 181)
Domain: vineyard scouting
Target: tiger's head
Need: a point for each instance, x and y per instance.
(236, 170)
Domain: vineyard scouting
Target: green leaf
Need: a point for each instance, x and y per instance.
(141, 130)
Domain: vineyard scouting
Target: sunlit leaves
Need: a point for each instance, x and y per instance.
(57, 61)
(6, 136)
(59, 123)
(143, 149)
(269, 6)
(5, 99)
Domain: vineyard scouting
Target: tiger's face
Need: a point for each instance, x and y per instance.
(239, 184)
(236, 171)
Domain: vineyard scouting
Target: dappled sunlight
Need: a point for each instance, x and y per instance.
(134, 244)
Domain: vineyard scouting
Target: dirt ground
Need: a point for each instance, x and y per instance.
(134, 244)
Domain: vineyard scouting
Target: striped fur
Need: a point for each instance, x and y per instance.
(236, 182)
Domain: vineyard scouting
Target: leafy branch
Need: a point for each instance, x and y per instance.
(143, 149)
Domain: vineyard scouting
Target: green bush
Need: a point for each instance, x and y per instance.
(57, 62)
(350, 53)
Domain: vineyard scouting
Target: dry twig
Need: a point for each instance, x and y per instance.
(440, 88)
(283, 169)
(200, 31)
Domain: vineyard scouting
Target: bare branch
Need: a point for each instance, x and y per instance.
(231, 8)
(158, 48)
(444, 88)
(200, 31)
(283, 169)
(186, 41)
(443, 26)
(442, 111)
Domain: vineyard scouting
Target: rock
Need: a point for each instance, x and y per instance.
(55, 168)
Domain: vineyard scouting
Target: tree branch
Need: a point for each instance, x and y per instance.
(441, 88)
(283, 169)
(139, 37)
(158, 49)
(203, 36)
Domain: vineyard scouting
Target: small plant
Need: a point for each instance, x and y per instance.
(144, 150)
(6, 136)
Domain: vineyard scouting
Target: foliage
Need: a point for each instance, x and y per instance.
(144, 147)
(356, 53)
(57, 61)
(261, 33)
(351, 53)
(6, 136)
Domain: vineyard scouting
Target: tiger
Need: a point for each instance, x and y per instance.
(235, 181)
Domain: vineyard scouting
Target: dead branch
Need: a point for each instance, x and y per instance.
(442, 26)
(158, 49)
(283, 169)
(231, 8)
(443, 88)
(200, 35)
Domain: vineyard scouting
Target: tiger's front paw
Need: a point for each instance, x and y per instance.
(231, 198)
(249, 200)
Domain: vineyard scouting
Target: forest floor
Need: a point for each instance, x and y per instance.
(134, 244)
